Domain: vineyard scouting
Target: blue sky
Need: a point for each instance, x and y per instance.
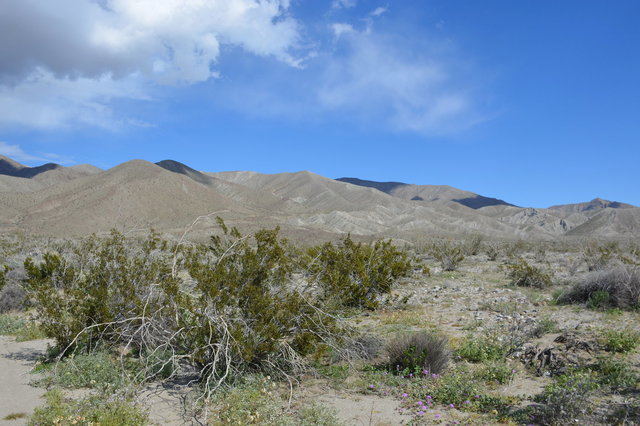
(537, 103)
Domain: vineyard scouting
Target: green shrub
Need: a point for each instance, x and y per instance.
(620, 340)
(356, 274)
(417, 353)
(10, 325)
(566, 400)
(495, 373)
(100, 409)
(448, 254)
(598, 257)
(97, 370)
(523, 274)
(481, 349)
(544, 325)
(616, 373)
(598, 300)
(455, 388)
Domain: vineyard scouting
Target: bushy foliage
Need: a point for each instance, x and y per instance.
(492, 251)
(598, 257)
(566, 400)
(481, 349)
(615, 288)
(225, 309)
(449, 254)
(620, 340)
(473, 245)
(418, 352)
(523, 274)
(356, 274)
(94, 410)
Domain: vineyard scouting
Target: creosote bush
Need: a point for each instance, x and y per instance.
(418, 352)
(449, 255)
(523, 274)
(356, 274)
(226, 309)
(614, 288)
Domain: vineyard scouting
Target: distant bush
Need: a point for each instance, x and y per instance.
(473, 245)
(615, 288)
(492, 252)
(12, 298)
(418, 352)
(356, 274)
(448, 254)
(523, 274)
(598, 257)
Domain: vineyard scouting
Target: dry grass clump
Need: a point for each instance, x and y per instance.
(12, 298)
(617, 288)
(418, 352)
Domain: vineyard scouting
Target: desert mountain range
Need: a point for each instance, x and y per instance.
(168, 196)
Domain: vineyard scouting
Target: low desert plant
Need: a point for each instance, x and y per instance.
(104, 410)
(613, 288)
(481, 349)
(615, 373)
(599, 256)
(544, 325)
(620, 340)
(492, 251)
(523, 274)
(418, 352)
(449, 254)
(496, 372)
(566, 400)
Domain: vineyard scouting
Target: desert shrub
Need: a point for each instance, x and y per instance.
(3, 276)
(620, 340)
(238, 313)
(523, 274)
(12, 298)
(449, 255)
(418, 352)
(544, 325)
(615, 373)
(103, 410)
(495, 373)
(316, 415)
(356, 274)
(98, 285)
(599, 256)
(616, 288)
(566, 400)
(10, 325)
(481, 349)
(473, 245)
(492, 252)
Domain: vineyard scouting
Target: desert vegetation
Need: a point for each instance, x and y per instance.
(254, 330)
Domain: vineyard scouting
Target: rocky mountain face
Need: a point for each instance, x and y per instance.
(168, 196)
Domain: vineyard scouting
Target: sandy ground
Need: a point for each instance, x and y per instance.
(16, 395)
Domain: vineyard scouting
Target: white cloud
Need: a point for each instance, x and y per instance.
(378, 11)
(346, 4)
(81, 53)
(383, 79)
(15, 152)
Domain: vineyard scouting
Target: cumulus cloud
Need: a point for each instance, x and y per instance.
(98, 48)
